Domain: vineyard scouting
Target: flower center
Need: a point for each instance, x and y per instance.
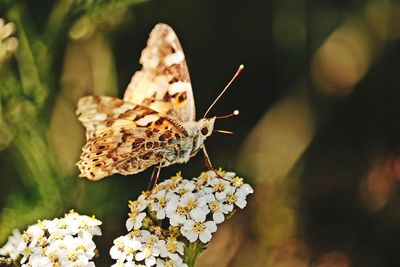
(182, 191)
(162, 202)
(220, 172)
(26, 237)
(171, 245)
(151, 241)
(133, 204)
(181, 210)
(26, 252)
(237, 182)
(133, 214)
(199, 227)
(219, 187)
(232, 199)
(42, 241)
(72, 256)
(170, 263)
(81, 247)
(192, 203)
(129, 250)
(53, 257)
(134, 233)
(214, 207)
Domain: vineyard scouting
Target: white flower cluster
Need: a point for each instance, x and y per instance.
(8, 43)
(142, 246)
(59, 242)
(178, 210)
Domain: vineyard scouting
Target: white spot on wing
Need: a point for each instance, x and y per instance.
(161, 106)
(159, 86)
(174, 58)
(170, 37)
(178, 87)
(122, 108)
(146, 119)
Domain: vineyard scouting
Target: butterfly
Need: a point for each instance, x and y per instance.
(155, 122)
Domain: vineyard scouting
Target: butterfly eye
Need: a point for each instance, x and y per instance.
(204, 131)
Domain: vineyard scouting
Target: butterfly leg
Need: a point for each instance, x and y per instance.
(154, 178)
(207, 159)
(209, 164)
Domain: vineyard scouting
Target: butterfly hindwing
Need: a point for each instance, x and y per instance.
(163, 84)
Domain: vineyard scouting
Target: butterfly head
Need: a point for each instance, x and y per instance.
(206, 126)
(201, 129)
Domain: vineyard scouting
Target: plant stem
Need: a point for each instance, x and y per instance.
(192, 252)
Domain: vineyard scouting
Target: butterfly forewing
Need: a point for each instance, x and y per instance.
(163, 84)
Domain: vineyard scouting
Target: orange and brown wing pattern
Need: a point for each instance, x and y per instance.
(100, 113)
(128, 142)
(163, 84)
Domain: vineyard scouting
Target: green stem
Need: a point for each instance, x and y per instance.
(192, 252)
(29, 65)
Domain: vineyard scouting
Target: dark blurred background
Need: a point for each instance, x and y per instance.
(317, 136)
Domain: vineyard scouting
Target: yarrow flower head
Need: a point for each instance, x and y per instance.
(176, 216)
(8, 43)
(59, 242)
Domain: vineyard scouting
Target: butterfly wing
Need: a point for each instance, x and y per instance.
(124, 138)
(98, 112)
(163, 84)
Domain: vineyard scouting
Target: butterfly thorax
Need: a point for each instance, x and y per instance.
(185, 148)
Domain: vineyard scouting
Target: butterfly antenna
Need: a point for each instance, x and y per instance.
(239, 70)
(233, 114)
(223, 131)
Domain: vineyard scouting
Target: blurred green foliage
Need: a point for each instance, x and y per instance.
(32, 85)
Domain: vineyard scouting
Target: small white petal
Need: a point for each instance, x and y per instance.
(218, 217)
(150, 261)
(211, 226)
(205, 236)
(129, 224)
(241, 203)
(229, 175)
(160, 263)
(115, 252)
(191, 236)
(198, 215)
(161, 214)
(220, 195)
(140, 256)
(247, 188)
(229, 207)
(138, 220)
(188, 225)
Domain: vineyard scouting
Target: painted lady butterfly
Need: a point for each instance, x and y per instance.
(153, 124)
